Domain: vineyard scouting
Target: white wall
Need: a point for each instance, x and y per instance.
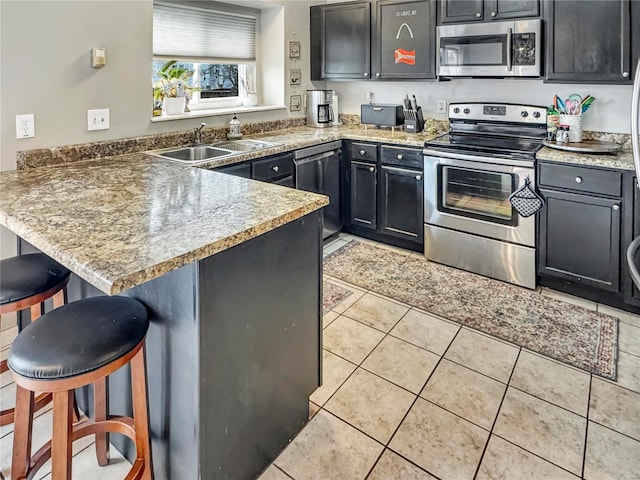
(611, 112)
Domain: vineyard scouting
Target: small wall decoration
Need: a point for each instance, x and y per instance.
(295, 76)
(294, 49)
(295, 103)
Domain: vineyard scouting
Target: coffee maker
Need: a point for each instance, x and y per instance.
(319, 111)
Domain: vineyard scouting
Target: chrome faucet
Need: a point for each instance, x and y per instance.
(197, 133)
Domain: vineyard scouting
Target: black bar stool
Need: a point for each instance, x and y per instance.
(26, 281)
(70, 347)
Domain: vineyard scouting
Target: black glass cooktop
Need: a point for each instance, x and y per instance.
(487, 145)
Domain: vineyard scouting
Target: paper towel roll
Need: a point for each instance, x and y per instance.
(334, 107)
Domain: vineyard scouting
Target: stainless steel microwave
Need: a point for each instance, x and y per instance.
(495, 49)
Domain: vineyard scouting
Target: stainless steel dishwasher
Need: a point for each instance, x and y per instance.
(317, 169)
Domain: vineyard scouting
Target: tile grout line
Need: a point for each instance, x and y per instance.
(495, 420)
(586, 430)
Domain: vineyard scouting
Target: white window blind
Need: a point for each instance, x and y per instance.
(181, 31)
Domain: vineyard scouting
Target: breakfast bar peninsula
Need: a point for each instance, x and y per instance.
(230, 270)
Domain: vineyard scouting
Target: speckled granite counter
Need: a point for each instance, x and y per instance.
(623, 160)
(123, 221)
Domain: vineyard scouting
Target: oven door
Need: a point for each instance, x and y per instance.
(473, 197)
(496, 49)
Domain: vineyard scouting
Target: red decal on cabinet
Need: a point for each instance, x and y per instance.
(405, 56)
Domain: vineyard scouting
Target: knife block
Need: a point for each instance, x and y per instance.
(413, 121)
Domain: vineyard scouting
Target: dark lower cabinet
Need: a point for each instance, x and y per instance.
(362, 191)
(402, 203)
(240, 170)
(580, 239)
(589, 41)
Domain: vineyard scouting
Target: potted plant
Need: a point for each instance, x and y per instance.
(173, 87)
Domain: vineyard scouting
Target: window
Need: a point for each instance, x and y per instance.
(218, 46)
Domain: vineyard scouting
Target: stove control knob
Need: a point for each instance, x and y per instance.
(467, 111)
(456, 110)
(524, 114)
(536, 114)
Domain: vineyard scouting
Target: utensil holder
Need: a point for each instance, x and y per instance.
(413, 121)
(575, 126)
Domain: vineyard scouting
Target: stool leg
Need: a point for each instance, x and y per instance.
(59, 298)
(141, 413)
(61, 441)
(23, 426)
(36, 311)
(100, 412)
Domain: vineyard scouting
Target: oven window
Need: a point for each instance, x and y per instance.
(480, 50)
(479, 194)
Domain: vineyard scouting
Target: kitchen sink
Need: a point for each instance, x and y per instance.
(244, 145)
(202, 153)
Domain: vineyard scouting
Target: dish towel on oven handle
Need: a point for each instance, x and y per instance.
(525, 200)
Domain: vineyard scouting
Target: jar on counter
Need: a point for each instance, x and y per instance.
(552, 122)
(562, 135)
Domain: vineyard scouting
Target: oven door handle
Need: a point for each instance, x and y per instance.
(509, 49)
(476, 158)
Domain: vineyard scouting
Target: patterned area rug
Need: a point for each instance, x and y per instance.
(574, 335)
(332, 295)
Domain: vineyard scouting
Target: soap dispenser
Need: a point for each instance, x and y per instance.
(235, 127)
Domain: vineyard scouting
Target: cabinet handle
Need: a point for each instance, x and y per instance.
(362, 152)
(625, 74)
(493, 14)
(366, 74)
(371, 169)
(478, 15)
(275, 168)
(578, 179)
(616, 207)
(418, 177)
(378, 75)
(399, 157)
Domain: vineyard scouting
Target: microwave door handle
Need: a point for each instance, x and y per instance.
(509, 48)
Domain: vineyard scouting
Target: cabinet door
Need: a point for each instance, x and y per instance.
(243, 170)
(363, 194)
(588, 42)
(405, 41)
(580, 239)
(454, 11)
(401, 200)
(341, 41)
(503, 9)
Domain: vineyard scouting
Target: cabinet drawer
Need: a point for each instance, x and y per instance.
(592, 180)
(403, 157)
(364, 151)
(273, 168)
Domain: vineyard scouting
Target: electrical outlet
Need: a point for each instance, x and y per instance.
(442, 106)
(25, 126)
(98, 119)
(370, 97)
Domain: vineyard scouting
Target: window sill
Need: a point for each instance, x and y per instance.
(216, 112)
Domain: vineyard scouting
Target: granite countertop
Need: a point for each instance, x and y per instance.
(119, 222)
(623, 160)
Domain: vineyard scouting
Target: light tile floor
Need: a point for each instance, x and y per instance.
(410, 396)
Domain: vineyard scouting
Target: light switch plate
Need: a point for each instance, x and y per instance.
(25, 126)
(98, 119)
(442, 106)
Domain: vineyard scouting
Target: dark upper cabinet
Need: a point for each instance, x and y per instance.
(588, 41)
(341, 41)
(402, 203)
(363, 194)
(387, 39)
(404, 46)
(456, 11)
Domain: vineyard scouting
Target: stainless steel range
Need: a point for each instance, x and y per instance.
(469, 174)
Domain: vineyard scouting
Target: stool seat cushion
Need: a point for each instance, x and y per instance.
(28, 275)
(78, 338)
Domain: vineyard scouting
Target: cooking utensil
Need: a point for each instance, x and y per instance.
(414, 103)
(407, 102)
(586, 102)
(562, 108)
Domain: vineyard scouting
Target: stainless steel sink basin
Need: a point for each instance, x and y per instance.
(244, 145)
(203, 153)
